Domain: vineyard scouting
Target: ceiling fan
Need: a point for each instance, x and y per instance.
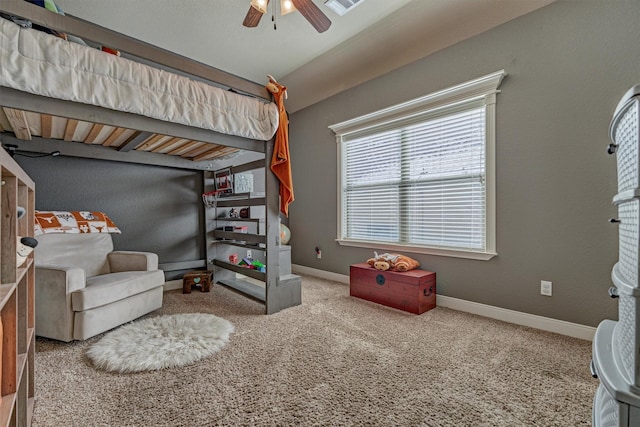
(307, 8)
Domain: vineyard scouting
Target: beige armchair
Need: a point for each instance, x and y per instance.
(84, 288)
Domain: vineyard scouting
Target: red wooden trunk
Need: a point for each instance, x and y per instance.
(413, 291)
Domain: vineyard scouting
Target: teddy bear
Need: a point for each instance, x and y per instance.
(393, 262)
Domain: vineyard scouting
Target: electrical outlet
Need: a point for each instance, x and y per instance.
(546, 288)
(248, 253)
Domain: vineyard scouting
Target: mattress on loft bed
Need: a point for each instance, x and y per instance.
(42, 64)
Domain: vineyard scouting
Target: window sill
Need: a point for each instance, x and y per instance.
(480, 256)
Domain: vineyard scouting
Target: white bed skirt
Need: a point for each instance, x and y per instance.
(36, 62)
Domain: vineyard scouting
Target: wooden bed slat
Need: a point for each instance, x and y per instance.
(93, 134)
(113, 137)
(70, 129)
(216, 152)
(45, 125)
(199, 148)
(209, 155)
(182, 148)
(18, 121)
(4, 122)
(151, 142)
(207, 149)
(167, 144)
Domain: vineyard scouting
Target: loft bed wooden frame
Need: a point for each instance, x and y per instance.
(278, 293)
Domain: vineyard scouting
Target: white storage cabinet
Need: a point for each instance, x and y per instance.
(616, 345)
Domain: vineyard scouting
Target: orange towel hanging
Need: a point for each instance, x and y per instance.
(281, 160)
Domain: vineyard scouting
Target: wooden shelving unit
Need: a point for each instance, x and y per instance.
(277, 291)
(17, 289)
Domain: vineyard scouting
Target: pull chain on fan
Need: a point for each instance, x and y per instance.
(273, 16)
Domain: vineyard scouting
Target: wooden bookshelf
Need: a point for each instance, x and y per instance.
(17, 299)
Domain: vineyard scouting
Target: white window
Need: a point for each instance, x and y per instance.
(420, 176)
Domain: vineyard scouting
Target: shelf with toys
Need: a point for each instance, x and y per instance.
(243, 235)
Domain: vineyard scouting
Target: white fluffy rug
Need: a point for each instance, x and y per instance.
(160, 342)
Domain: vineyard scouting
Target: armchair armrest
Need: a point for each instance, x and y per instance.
(132, 261)
(54, 286)
(60, 278)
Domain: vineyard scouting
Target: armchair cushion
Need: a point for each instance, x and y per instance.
(112, 287)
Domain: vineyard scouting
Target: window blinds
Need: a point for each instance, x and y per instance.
(418, 181)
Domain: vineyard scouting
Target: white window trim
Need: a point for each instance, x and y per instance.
(483, 88)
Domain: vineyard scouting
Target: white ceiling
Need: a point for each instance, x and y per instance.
(375, 37)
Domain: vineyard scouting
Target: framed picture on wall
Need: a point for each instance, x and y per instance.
(243, 183)
(224, 181)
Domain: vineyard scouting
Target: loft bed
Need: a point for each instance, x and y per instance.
(144, 100)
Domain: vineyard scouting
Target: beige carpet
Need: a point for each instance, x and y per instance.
(333, 361)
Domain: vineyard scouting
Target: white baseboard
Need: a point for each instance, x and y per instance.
(320, 273)
(519, 318)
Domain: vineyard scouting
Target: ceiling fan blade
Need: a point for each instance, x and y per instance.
(313, 14)
(253, 17)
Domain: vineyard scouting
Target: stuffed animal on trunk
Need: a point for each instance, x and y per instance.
(393, 262)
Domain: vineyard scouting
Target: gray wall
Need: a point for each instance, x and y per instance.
(568, 64)
(158, 209)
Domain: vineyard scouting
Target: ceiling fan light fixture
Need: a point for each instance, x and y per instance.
(341, 7)
(259, 5)
(307, 8)
(286, 6)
